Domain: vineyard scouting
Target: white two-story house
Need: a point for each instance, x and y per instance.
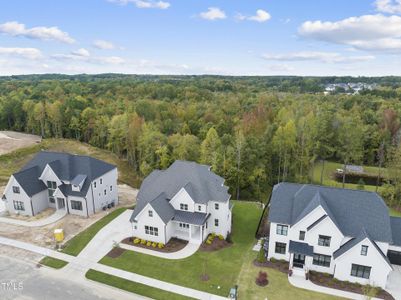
(186, 201)
(343, 232)
(76, 184)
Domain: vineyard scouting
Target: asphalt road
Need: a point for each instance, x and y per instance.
(23, 281)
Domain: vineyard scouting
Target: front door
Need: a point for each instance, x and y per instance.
(60, 203)
(299, 260)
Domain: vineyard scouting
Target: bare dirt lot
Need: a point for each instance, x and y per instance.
(71, 224)
(11, 141)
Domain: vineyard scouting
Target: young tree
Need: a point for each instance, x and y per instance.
(211, 149)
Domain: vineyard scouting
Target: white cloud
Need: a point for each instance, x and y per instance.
(144, 3)
(104, 45)
(40, 33)
(326, 57)
(281, 68)
(29, 53)
(84, 55)
(389, 6)
(368, 32)
(260, 16)
(213, 13)
(81, 52)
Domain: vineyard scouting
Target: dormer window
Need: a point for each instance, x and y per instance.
(364, 250)
(183, 206)
(282, 229)
(199, 207)
(150, 213)
(16, 190)
(101, 180)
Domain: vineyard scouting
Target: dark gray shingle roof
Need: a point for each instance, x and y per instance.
(350, 210)
(66, 166)
(396, 230)
(300, 248)
(195, 218)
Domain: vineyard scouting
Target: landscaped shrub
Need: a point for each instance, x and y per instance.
(143, 242)
(213, 235)
(261, 280)
(209, 242)
(261, 255)
(228, 238)
(273, 260)
(148, 244)
(137, 241)
(160, 245)
(154, 245)
(221, 237)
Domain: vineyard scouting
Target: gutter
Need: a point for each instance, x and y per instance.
(93, 197)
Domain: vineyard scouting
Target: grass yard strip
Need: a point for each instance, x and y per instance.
(395, 213)
(53, 262)
(133, 287)
(79, 242)
(222, 266)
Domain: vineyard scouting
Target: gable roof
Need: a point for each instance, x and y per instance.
(66, 166)
(396, 230)
(198, 181)
(350, 210)
(355, 241)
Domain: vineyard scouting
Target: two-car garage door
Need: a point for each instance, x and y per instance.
(394, 257)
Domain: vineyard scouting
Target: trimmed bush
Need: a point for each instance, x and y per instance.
(154, 245)
(149, 244)
(209, 242)
(137, 241)
(221, 237)
(160, 245)
(261, 280)
(143, 242)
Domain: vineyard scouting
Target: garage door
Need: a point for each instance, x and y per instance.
(394, 257)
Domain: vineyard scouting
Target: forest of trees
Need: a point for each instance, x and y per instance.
(253, 131)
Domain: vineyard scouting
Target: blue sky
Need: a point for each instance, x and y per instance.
(242, 37)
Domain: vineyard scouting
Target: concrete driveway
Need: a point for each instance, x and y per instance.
(394, 282)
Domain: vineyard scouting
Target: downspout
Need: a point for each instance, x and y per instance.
(93, 198)
(33, 212)
(87, 213)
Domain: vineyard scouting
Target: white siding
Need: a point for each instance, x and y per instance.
(100, 199)
(22, 196)
(143, 220)
(82, 212)
(274, 237)
(182, 197)
(49, 175)
(379, 272)
(223, 214)
(40, 202)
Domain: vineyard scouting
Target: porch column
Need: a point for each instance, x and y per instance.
(291, 259)
(190, 231)
(201, 232)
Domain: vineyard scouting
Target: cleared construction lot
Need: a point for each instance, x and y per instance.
(11, 141)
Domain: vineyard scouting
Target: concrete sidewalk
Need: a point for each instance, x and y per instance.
(59, 214)
(185, 252)
(302, 283)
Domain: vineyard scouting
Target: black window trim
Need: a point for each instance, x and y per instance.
(281, 246)
(321, 260)
(355, 269)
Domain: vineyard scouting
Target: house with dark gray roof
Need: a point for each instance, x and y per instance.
(80, 185)
(186, 201)
(343, 232)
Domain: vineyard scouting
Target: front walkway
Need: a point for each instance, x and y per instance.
(185, 252)
(57, 215)
(302, 283)
(394, 282)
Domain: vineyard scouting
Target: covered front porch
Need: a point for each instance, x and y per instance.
(190, 226)
(301, 257)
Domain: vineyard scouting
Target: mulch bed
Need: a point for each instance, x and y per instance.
(173, 245)
(217, 244)
(278, 265)
(115, 252)
(327, 280)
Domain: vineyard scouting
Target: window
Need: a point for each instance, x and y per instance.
(151, 230)
(280, 248)
(282, 229)
(51, 188)
(51, 185)
(216, 222)
(101, 180)
(19, 205)
(52, 200)
(183, 206)
(184, 225)
(16, 189)
(216, 206)
(111, 188)
(150, 213)
(321, 260)
(360, 271)
(135, 227)
(105, 191)
(302, 235)
(76, 205)
(324, 240)
(364, 250)
(199, 207)
(94, 184)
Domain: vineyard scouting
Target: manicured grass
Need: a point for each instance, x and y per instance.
(12, 162)
(395, 213)
(79, 242)
(330, 167)
(53, 262)
(278, 288)
(222, 266)
(133, 287)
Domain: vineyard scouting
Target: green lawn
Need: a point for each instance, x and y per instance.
(222, 266)
(79, 242)
(133, 287)
(53, 262)
(278, 288)
(330, 167)
(395, 213)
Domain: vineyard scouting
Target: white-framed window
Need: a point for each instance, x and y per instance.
(216, 206)
(94, 184)
(105, 191)
(183, 206)
(16, 190)
(199, 207)
(216, 222)
(364, 250)
(282, 229)
(324, 241)
(51, 188)
(302, 235)
(150, 213)
(321, 260)
(151, 230)
(101, 180)
(111, 188)
(360, 271)
(76, 205)
(19, 205)
(183, 225)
